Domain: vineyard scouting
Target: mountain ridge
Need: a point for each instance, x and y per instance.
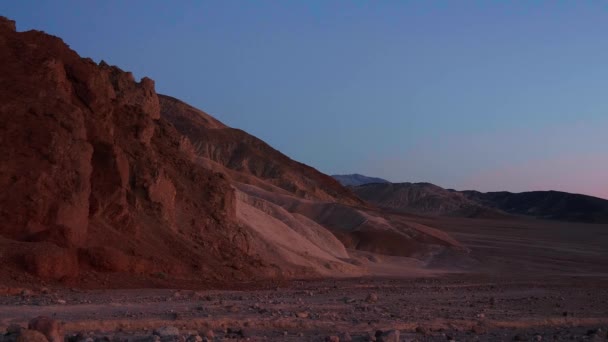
(430, 199)
(355, 179)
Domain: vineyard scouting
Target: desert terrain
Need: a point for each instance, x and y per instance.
(525, 280)
(129, 215)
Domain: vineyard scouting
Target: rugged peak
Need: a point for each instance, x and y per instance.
(7, 24)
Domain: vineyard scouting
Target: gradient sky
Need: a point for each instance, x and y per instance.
(488, 95)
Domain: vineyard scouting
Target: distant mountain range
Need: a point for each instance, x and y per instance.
(357, 179)
(430, 199)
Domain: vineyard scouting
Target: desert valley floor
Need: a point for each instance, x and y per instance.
(526, 280)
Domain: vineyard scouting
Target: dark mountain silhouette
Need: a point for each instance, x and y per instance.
(430, 199)
(554, 205)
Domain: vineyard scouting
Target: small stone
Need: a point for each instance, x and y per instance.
(479, 329)
(60, 301)
(209, 334)
(389, 336)
(47, 326)
(371, 298)
(421, 330)
(232, 308)
(194, 338)
(168, 331)
(332, 338)
(31, 336)
(26, 293)
(346, 337)
(302, 314)
(538, 338)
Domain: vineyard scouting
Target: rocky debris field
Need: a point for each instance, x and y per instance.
(456, 307)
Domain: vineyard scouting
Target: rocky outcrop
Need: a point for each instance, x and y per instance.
(88, 163)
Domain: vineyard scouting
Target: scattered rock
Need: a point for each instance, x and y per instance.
(389, 336)
(332, 338)
(302, 314)
(168, 331)
(479, 329)
(346, 337)
(52, 329)
(371, 298)
(348, 300)
(194, 338)
(31, 336)
(421, 330)
(209, 334)
(232, 308)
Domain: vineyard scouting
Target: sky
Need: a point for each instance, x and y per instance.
(487, 95)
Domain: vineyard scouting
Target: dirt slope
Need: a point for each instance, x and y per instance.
(288, 204)
(239, 151)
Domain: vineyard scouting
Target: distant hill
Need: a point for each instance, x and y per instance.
(430, 199)
(357, 179)
(554, 205)
(424, 199)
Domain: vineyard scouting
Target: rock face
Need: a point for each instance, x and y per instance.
(87, 163)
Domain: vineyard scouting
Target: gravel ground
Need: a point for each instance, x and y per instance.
(460, 307)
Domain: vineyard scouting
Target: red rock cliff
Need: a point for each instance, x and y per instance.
(93, 179)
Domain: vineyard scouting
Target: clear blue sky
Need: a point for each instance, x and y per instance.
(489, 95)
